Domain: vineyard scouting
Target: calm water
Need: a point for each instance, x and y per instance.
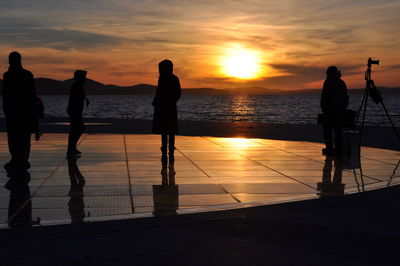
(281, 109)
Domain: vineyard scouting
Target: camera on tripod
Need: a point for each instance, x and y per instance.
(372, 89)
(372, 62)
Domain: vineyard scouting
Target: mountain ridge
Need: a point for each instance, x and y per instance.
(47, 86)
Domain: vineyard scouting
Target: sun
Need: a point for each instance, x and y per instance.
(241, 63)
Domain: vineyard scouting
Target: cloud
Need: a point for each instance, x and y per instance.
(310, 73)
(26, 34)
(298, 39)
(292, 77)
(393, 67)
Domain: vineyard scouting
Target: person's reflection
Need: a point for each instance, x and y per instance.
(166, 195)
(331, 186)
(20, 204)
(76, 206)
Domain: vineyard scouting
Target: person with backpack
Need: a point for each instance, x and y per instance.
(19, 106)
(334, 101)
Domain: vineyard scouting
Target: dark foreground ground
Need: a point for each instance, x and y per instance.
(377, 137)
(361, 229)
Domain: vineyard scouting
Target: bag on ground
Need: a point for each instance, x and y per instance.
(351, 150)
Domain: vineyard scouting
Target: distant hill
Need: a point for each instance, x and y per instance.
(47, 86)
(51, 86)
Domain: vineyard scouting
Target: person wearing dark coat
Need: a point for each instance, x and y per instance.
(77, 97)
(334, 101)
(165, 119)
(19, 106)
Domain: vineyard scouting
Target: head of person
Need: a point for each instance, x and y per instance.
(165, 67)
(15, 59)
(333, 72)
(80, 76)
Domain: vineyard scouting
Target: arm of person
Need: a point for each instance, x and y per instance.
(33, 98)
(85, 97)
(4, 91)
(178, 89)
(32, 91)
(3, 87)
(346, 96)
(323, 97)
(3, 84)
(156, 96)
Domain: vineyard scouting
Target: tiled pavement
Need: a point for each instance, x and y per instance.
(123, 176)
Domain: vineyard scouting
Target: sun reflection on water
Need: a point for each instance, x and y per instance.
(242, 107)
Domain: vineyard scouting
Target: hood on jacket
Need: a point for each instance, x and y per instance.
(333, 72)
(80, 75)
(15, 60)
(165, 67)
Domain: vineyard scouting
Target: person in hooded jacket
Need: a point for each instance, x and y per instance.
(76, 100)
(19, 106)
(165, 119)
(334, 101)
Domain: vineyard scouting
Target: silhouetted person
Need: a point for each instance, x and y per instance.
(334, 101)
(20, 204)
(165, 120)
(77, 97)
(166, 195)
(331, 186)
(76, 206)
(19, 106)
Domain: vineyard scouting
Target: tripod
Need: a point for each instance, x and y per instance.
(371, 90)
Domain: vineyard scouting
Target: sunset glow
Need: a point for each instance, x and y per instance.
(222, 44)
(241, 63)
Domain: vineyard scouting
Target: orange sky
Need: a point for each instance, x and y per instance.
(121, 42)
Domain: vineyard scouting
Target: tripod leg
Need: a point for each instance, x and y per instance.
(355, 178)
(364, 113)
(362, 180)
(390, 119)
(359, 109)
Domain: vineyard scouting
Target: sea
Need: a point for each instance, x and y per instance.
(301, 109)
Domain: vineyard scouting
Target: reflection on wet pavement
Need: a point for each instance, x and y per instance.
(331, 185)
(121, 176)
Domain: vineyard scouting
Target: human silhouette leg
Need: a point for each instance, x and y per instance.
(25, 149)
(164, 145)
(171, 148)
(326, 171)
(77, 137)
(75, 131)
(12, 140)
(338, 138)
(73, 139)
(19, 144)
(70, 140)
(327, 132)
